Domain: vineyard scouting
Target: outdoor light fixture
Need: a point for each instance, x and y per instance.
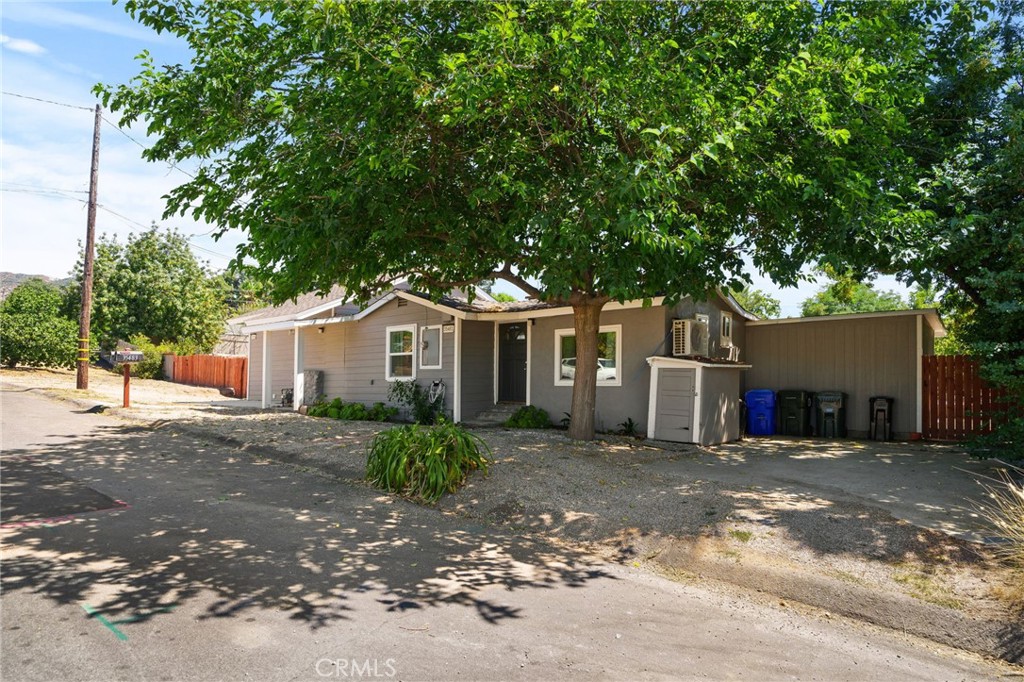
(320, 330)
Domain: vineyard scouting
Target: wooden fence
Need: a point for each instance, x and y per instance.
(215, 371)
(958, 403)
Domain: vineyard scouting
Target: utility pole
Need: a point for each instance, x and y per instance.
(90, 244)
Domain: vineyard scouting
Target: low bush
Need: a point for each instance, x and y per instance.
(338, 409)
(629, 428)
(418, 400)
(529, 417)
(152, 365)
(424, 462)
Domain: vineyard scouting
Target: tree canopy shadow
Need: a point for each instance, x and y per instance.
(206, 518)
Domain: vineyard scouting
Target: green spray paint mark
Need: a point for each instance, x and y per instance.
(93, 613)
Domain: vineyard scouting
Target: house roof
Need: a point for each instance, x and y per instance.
(290, 310)
(930, 315)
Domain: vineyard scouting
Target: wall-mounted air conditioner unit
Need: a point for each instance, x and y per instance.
(689, 337)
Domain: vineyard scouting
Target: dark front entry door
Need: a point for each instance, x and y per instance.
(512, 362)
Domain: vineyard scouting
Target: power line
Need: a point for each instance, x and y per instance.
(131, 222)
(46, 191)
(49, 189)
(144, 147)
(47, 101)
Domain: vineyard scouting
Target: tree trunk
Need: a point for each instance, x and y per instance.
(587, 320)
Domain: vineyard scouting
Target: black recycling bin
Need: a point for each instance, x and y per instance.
(880, 411)
(830, 413)
(794, 410)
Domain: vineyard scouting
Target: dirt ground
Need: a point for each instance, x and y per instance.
(675, 509)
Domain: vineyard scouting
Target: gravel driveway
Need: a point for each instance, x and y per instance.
(764, 517)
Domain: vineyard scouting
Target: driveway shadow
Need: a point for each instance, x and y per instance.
(261, 535)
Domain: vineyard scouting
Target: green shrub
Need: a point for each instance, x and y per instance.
(353, 412)
(1006, 441)
(529, 417)
(424, 462)
(381, 413)
(337, 409)
(628, 428)
(35, 334)
(152, 365)
(417, 399)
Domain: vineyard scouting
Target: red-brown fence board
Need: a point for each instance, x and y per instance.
(957, 403)
(214, 371)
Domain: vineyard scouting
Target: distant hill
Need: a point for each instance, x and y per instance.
(10, 280)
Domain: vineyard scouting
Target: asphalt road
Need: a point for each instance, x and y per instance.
(222, 567)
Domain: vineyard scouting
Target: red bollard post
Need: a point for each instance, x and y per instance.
(127, 384)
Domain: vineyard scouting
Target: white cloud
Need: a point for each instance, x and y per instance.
(46, 14)
(21, 45)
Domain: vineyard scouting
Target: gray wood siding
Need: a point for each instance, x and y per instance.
(688, 308)
(352, 354)
(326, 352)
(862, 358)
(645, 332)
(281, 348)
(477, 368)
(719, 405)
(256, 367)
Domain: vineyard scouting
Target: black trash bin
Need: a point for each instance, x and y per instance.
(830, 413)
(794, 409)
(880, 411)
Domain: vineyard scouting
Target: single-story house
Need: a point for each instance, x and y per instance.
(678, 372)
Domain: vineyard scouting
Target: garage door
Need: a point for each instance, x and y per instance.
(674, 417)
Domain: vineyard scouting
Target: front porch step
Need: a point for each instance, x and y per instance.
(496, 416)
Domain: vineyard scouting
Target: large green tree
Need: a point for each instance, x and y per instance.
(154, 286)
(605, 151)
(969, 140)
(33, 331)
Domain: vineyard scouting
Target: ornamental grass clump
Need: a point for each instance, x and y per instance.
(1003, 509)
(424, 462)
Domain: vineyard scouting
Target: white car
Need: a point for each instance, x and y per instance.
(605, 369)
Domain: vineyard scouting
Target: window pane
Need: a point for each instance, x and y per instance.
(430, 356)
(401, 365)
(401, 342)
(606, 353)
(606, 370)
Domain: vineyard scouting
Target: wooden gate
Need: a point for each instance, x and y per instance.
(215, 371)
(958, 403)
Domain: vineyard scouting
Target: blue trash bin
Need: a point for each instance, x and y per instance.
(760, 412)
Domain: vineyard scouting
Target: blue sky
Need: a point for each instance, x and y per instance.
(57, 51)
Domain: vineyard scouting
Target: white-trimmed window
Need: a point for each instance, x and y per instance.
(609, 356)
(430, 347)
(400, 356)
(726, 330)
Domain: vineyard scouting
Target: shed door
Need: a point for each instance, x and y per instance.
(676, 393)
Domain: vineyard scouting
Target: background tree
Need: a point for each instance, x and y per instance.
(758, 302)
(153, 286)
(846, 294)
(605, 151)
(969, 138)
(35, 333)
